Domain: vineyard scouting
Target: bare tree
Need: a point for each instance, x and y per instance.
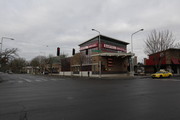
(49, 61)
(9, 53)
(17, 64)
(38, 62)
(65, 64)
(177, 45)
(7, 56)
(159, 41)
(78, 59)
(82, 58)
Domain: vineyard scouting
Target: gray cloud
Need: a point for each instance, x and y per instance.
(66, 23)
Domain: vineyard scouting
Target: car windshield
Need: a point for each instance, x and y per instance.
(160, 72)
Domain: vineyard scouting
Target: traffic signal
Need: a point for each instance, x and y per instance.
(86, 51)
(58, 51)
(73, 51)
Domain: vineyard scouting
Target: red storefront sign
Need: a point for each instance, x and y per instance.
(114, 47)
(103, 46)
(89, 46)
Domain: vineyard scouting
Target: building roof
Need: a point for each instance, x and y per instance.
(107, 38)
(56, 60)
(164, 51)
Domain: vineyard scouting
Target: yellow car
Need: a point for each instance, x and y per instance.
(161, 74)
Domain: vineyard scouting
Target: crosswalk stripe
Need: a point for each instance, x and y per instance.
(27, 80)
(20, 81)
(11, 81)
(38, 80)
(44, 80)
(54, 79)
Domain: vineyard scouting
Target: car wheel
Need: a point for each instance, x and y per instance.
(161, 76)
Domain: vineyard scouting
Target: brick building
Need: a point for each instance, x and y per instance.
(111, 58)
(168, 60)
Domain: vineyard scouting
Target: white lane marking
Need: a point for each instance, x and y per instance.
(27, 80)
(38, 80)
(56, 79)
(20, 81)
(53, 79)
(11, 81)
(44, 80)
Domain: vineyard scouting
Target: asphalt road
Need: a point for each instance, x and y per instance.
(29, 97)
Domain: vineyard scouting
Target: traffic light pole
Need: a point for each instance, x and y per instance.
(99, 47)
(99, 56)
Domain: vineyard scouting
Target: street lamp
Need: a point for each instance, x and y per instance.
(132, 59)
(99, 48)
(132, 38)
(2, 41)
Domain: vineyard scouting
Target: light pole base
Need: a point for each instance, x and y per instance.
(132, 73)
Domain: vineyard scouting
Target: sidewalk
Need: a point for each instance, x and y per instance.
(103, 76)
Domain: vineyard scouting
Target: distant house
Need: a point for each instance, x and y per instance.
(28, 69)
(31, 70)
(168, 60)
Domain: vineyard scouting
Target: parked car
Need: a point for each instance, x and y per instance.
(45, 72)
(9, 72)
(161, 74)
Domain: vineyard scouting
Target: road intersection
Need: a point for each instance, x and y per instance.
(35, 97)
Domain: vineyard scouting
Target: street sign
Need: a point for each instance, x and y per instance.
(96, 51)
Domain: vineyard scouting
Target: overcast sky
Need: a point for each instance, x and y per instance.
(40, 26)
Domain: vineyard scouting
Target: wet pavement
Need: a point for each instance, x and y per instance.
(30, 97)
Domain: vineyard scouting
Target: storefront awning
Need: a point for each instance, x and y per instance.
(114, 54)
(175, 61)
